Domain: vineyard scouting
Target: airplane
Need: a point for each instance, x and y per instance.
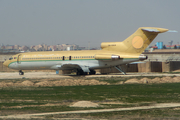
(112, 54)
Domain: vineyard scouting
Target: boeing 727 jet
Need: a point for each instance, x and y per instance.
(112, 54)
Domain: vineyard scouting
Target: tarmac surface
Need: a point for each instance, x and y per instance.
(32, 75)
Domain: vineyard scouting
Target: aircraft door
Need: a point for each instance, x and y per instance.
(19, 59)
(69, 57)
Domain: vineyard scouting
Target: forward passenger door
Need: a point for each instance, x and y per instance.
(19, 59)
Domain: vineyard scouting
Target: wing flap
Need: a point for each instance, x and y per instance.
(85, 68)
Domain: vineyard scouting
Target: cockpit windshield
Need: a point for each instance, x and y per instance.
(10, 58)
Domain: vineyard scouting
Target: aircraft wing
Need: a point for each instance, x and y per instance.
(136, 62)
(68, 66)
(72, 67)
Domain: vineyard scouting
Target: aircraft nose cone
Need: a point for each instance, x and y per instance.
(5, 63)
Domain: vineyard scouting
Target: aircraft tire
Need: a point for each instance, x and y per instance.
(92, 72)
(85, 73)
(21, 73)
(79, 72)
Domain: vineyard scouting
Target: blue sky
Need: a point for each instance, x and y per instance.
(32, 22)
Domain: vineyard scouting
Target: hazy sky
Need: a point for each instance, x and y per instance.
(32, 22)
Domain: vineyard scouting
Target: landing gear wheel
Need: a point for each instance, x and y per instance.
(77, 73)
(21, 73)
(92, 72)
(80, 72)
(85, 73)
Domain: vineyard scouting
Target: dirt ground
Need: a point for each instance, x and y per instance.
(60, 80)
(39, 79)
(40, 115)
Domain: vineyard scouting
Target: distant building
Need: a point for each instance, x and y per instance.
(159, 45)
(41, 47)
(3, 47)
(45, 47)
(16, 47)
(24, 48)
(9, 47)
(82, 48)
(154, 47)
(172, 46)
(58, 47)
(52, 47)
(65, 47)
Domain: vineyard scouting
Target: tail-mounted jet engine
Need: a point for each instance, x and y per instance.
(106, 57)
(143, 57)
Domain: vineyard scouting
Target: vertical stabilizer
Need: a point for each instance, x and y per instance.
(137, 42)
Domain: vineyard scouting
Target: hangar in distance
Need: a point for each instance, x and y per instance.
(112, 54)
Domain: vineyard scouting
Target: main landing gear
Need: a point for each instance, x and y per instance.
(120, 69)
(81, 72)
(92, 72)
(21, 72)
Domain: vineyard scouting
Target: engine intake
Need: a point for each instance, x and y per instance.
(143, 57)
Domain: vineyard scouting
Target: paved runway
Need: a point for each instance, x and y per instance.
(32, 75)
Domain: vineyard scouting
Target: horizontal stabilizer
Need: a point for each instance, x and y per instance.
(172, 31)
(157, 30)
(154, 29)
(150, 30)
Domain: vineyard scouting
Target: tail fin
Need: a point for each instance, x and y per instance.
(136, 43)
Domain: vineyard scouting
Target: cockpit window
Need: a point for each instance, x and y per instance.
(10, 58)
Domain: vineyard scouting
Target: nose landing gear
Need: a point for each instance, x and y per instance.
(21, 72)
